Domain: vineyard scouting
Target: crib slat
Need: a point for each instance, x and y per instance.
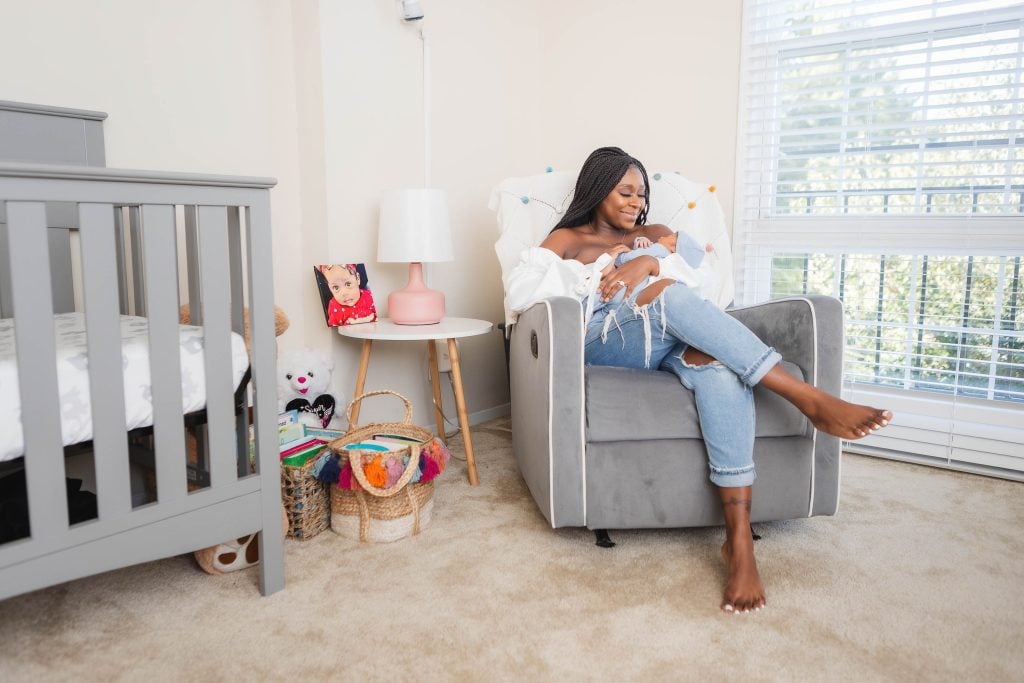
(106, 378)
(238, 325)
(235, 268)
(122, 272)
(37, 370)
(213, 278)
(261, 324)
(195, 293)
(138, 263)
(60, 270)
(159, 247)
(6, 307)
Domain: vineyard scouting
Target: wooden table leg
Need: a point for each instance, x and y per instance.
(460, 403)
(435, 381)
(364, 362)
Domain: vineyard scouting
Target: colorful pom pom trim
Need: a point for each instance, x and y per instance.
(382, 470)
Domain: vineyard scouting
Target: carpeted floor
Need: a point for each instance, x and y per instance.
(919, 577)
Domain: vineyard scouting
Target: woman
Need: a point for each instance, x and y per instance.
(661, 322)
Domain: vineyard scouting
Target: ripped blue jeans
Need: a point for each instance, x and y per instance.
(657, 335)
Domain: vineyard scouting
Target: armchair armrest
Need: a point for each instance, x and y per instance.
(808, 331)
(546, 386)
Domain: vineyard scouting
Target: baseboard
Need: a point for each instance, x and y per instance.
(941, 463)
(503, 410)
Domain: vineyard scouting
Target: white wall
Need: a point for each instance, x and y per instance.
(484, 60)
(659, 78)
(189, 85)
(325, 96)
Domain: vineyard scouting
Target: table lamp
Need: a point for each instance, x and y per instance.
(414, 229)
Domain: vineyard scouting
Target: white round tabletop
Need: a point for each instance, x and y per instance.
(448, 328)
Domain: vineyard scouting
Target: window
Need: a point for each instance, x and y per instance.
(882, 162)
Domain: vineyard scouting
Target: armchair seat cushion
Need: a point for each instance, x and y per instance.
(625, 404)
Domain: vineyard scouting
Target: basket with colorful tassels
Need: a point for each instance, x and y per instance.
(381, 476)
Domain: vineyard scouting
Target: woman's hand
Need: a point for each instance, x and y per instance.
(628, 276)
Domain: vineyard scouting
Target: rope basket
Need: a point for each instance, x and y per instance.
(374, 514)
(305, 501)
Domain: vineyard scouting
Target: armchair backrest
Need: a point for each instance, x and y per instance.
(528, 207)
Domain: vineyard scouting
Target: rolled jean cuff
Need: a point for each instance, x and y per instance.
(756, 372)
(736, 477)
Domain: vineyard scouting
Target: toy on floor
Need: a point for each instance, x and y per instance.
(238, 554)
(302, 381)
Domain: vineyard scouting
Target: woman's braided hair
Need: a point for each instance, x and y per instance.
(601, 172)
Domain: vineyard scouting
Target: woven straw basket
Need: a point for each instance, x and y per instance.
(305, 501)
(374, 514)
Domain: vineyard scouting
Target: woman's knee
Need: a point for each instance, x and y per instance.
(695, 357)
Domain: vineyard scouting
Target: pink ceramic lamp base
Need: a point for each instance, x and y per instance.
(415, 304)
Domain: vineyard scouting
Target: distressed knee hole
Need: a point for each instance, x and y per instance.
(692, 358)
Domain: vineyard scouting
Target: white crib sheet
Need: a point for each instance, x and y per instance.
(73, 378)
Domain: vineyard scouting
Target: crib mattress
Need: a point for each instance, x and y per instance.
(73, 378)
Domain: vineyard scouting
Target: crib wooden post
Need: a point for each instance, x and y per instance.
(213, 278)
(99, 279)
(159, 250)
(32, 298)
(238, 325)
(261, 323)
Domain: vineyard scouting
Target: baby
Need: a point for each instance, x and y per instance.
(677, 242)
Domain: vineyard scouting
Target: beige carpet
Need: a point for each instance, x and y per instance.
(920, 576)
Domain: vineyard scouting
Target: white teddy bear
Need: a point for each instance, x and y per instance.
(302, 380)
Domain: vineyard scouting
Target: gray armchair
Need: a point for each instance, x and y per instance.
(614, 448)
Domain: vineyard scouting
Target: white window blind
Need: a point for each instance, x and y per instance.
(881, 160)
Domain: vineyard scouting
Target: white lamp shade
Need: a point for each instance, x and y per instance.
(414, 227)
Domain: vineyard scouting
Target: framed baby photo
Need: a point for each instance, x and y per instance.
(345, 294)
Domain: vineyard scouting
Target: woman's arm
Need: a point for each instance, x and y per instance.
(542, 273)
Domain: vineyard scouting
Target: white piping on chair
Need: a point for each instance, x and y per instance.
(551, 414)
(583, 420)
(842, 355)
(814, 381)
(814, 378)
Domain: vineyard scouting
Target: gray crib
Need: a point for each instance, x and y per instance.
(106, 243)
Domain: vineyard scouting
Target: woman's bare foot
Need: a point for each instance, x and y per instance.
(743, 590)
(826, 412)
(841, 418)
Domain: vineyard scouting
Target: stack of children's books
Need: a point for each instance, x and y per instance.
(300, 443)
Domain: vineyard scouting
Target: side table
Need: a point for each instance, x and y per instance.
(450, 329)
